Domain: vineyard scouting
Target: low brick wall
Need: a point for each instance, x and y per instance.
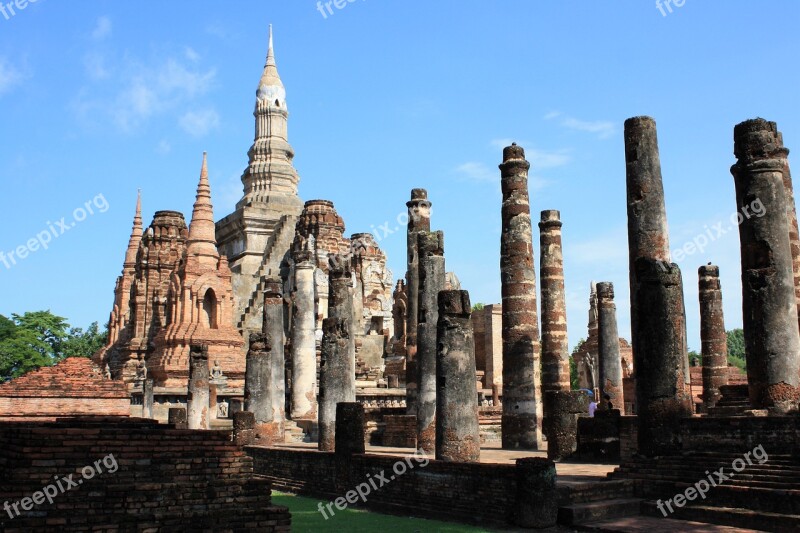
(741, 433)
(465, 492)
(164, 480)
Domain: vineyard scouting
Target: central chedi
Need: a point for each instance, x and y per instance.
(258, 234)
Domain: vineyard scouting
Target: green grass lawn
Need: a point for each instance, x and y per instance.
(306, 517)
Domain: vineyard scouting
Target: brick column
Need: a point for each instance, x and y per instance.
(522, 403)
(714, 341)
(555, 344)
(274, 327)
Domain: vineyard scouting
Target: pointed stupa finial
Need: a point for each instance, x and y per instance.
(136, 232)
(271, 85)
(202, 238)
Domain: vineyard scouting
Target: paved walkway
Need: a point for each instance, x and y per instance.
(492, 453)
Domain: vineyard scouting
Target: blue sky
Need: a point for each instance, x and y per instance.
(100, 98)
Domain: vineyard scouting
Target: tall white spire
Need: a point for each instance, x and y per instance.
(271, 87)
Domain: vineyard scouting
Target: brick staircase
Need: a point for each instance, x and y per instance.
(584, 502)
(734, 402)
(763, 497)
(280, 241)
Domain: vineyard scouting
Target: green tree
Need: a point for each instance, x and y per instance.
(694, 356)
(573, 365)
(22, 352)
(477, 307)
(51, 329)
(736, 350)
(81, 343)
(7, 327)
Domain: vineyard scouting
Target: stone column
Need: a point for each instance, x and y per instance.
(537, 499)
(177, 417)
(661, 397)
(304, 346)
(274, 327)
(561, 424)
(457, 433)
(337, 368)
(791, 214)
(197, 405)
(648, 235)
(768, 293)
(258, 386)
(555, 345)
(244, 424)
(608, 350)
(714, 341)
(522, 403)
(147, 398)
(350, 429)
(431, 282)
(419, 219)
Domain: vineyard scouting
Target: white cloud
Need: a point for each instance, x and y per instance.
(102, 29)
(10, 76)
(95, 66)
(191, 54)
(164, 147)
(603, 128)
(479, 172)
(140, 91)
(200, 123)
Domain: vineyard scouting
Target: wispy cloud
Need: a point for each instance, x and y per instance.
(141, 91)
(479, 172)
(200, 123)
(10, 76)
(603, 128)
(164, 147)
(538, 158)
(102, 29)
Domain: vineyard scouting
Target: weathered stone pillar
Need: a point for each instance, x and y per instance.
(457, 432)
(244, 423)
(537, 501)
(350, 428)
(608, 350)
(197, 406)
(419, 219)
(561, 423)
(648, 234)
(274, 327)
(768, 292)
(337, 368)
(177, 417)
(555, 345)
(791, 214)
(714, 341)
(431, 282)
(661, 397)
(522, 402)
(259, 386)
(304, 347)
(147, 398)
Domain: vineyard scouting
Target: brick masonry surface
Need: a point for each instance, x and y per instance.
(167, 480)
